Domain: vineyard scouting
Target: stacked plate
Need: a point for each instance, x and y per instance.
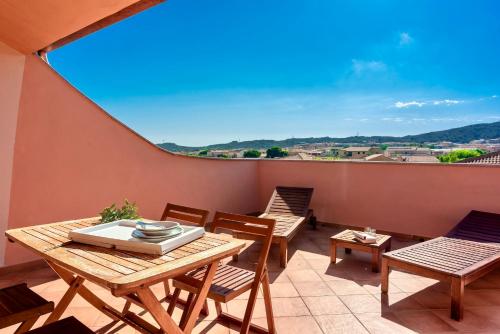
(156, 231)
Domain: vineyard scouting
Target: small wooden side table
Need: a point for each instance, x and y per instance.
(345, 239)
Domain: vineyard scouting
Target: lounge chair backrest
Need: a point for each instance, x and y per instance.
(478, 226)
(290, 201)
(185, 214)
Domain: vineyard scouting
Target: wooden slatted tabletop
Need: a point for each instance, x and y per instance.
(126, 274)
(348, 236)
(116, 269)
(454, 257)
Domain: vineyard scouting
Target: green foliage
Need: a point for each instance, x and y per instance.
(203, 153)
(276, 152)
(458, 155)
(223, 156)
(251, 154)
(383, 147)
(112, 213)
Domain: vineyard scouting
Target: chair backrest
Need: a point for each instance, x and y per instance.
(185, 214)
(290, 201)
(259, 228)
(478, 226)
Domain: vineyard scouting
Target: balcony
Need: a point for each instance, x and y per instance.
(66, 158)
(313, 296)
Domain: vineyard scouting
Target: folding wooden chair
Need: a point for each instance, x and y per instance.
(183, 215)
(229, 281)
(68, 325)
(19, 304)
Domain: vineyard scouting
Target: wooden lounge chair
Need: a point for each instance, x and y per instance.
(19, 304)
(229, 281)
(68, 325)
(289, 206)
(185, 215)
(468, 252)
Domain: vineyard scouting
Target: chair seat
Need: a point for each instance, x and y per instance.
(228, 283)
(285, 224)
(18, 303)
(68, 325)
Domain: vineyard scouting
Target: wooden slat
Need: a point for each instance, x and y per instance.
(120, 270)
(447, 255)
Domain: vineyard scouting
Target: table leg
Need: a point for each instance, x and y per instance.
(333, 252)
(457, 298)
(200, 298)
(375, 260)
(65, 300)
(153, 306)
(384, 276)
(85, 293)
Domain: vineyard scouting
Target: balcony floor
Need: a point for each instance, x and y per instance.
(313, 296)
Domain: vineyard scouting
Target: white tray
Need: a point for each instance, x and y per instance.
(118, 235)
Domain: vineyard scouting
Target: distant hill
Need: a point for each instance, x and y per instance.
(457, 135)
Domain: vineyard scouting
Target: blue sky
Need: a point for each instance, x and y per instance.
(202, 72)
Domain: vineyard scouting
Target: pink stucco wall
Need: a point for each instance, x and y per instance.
(419, 199)
(71, 159)
(11, 75)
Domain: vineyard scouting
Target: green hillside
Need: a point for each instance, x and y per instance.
(457, 135)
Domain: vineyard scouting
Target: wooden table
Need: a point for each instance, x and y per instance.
(124, 274)
(346, 240)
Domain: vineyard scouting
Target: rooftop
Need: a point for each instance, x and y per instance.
(313, 296)
(492, 158)
(358, 148)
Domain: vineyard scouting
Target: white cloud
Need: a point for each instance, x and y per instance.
(448, 119)
(363, 66)
(405, 39)
(393, 119)
(447, 102)
(400, 104)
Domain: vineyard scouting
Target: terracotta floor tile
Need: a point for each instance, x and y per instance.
(284, 289)
(373, 286)
(317, 253)
(325, 305)
(475, 320)
(289, 307)
(311, 289)
(409, 284)
(362, 303)
(424, 321)
(346, 287)
(306, 275)
(297, 263)
(386, 323)
(321, 264)
(297, 325)
(237, 308)
(212, 327)
(432, 299)
(340, 324)
(479, 298)
(332, 274)
(399, 301)
(278, 276)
